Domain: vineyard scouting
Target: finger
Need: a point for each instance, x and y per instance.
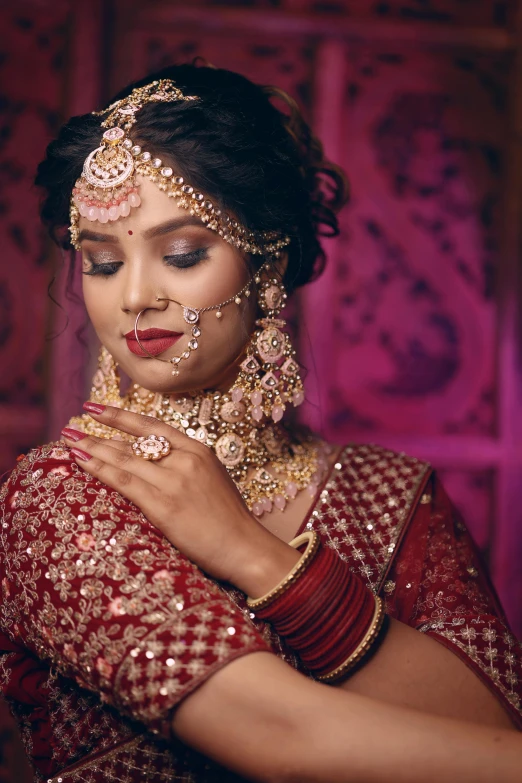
(138, 424)
(72, 436)
(128, 484)
(123, 459)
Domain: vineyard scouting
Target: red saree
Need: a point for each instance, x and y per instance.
(105, 627)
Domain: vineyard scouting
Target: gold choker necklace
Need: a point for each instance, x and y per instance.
(268, 467)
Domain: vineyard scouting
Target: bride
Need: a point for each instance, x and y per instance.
(194, 588)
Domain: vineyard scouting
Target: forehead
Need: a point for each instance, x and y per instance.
(156, 208)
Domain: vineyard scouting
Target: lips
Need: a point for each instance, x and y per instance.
(155, 341)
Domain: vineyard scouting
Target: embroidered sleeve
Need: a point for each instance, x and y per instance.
(90, 586)
(440, 587)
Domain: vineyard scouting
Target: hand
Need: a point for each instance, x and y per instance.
(189, 496)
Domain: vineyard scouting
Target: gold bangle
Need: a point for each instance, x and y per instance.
(312, 540)
(362, 648)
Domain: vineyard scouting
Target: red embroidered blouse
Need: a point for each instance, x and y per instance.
(105, 627)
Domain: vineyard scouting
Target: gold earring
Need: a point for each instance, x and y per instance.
(105, 387)
(269, 376)
(105, 390)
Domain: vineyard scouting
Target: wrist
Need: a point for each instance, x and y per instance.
(264, 561)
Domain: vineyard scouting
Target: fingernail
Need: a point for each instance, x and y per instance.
(81, 454)
(74, 435)
(93, 407)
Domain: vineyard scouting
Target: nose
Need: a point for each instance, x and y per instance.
(140, 290)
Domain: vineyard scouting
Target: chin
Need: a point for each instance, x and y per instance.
(196, 373)
(159, 380)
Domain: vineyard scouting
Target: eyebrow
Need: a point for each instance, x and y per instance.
(150, 233)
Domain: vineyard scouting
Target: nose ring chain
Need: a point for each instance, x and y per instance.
(191, 316)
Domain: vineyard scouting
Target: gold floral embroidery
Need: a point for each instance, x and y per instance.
(458, 632)
(453, 605)
(364, 506)
(375, 490)
(90, 586)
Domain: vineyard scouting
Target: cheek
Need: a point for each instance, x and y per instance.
(227, 336)
(218, 280)
(99, 303)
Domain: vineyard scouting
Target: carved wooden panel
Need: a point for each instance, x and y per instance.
(469, 12)
(496, 13)
(414, 309)
(32, 43)
(284, 61)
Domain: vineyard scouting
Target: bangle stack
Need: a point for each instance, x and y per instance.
(325, 613)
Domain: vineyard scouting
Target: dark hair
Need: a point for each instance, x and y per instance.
(259, 163)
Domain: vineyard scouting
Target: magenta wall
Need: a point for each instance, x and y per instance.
(411, 337)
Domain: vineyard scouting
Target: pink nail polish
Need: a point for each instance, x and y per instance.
(81, 454)
(93, 407)
(74, 435)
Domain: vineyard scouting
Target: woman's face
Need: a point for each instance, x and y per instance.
(160, 250)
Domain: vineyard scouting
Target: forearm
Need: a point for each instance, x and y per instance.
(266, 722)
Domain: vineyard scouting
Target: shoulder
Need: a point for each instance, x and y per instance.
(47, 480)
(50, 459)
(367, 504)
(375, 485)
(372, 464)
(380, 485)
(47, 453)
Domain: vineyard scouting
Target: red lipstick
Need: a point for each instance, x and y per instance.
(155, 341)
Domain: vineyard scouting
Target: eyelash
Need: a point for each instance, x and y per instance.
(188, 260)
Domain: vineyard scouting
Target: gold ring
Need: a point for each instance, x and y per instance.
(151, 447)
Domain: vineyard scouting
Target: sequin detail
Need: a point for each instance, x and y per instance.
(365, 506)
(353, 514)
(92, 590)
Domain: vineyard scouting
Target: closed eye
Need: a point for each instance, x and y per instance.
(105, 270)
(180, 261)
(186, 260)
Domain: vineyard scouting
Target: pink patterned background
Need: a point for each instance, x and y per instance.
(411, 338)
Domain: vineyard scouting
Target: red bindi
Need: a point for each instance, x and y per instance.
(130, 232)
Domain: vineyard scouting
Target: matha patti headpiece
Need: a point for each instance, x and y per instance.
(107, 188)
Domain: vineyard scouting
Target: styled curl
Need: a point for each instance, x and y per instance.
(257, 162)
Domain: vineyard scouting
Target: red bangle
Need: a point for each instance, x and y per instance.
(344, 628)
(325, 613)
(304, 603)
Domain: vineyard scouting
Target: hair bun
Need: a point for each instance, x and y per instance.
(326, 182)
